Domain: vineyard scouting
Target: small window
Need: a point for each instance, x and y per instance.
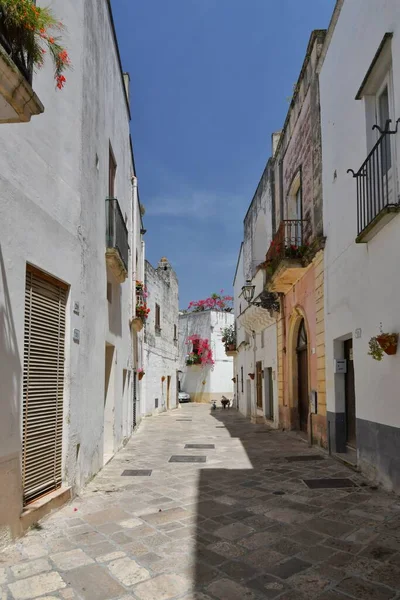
(158, 317)
(262, 339)
(241, 378)
(175, 333)
(111, 174)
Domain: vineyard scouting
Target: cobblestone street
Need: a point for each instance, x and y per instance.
(205, 506)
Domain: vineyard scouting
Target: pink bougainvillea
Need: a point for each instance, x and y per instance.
(214, 302)
(201, 351)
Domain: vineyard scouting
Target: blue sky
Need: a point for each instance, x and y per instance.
(210, 82)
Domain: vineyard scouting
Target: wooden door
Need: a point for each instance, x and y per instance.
(269, 393)
(259, 384)
(302, 370)
(350, 395)
(168, 390)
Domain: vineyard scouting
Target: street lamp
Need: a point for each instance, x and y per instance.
(267, 300)
(248, 291)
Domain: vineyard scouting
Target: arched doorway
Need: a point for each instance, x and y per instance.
(302, 371)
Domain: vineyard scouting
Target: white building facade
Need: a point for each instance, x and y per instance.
(362, 227)
(70, 247)
(255, 365)
(208, 382)
(159, 386)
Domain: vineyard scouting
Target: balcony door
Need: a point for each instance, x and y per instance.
(302, 373)
(384, 113)
(295, 212)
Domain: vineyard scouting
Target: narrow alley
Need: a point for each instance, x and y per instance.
(203, 505)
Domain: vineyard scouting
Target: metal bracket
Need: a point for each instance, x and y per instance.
(268, 301)
(387, 130)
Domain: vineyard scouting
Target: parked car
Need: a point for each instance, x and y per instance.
(184, 397)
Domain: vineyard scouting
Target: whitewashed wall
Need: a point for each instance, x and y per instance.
(217, 381)
(53, 185)
(362, 286)
(160, 350)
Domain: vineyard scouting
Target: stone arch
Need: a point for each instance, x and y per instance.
(297, 317)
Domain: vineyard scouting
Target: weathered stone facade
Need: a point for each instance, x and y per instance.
(160, 362)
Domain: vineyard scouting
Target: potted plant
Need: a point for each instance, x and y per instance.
(383, 343)
(229, 338)
(141, 374)
(251, 375)
(29, 32)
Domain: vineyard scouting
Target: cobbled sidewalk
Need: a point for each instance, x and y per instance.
(230, 519)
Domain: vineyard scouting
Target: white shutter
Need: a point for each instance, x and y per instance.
(43, 389)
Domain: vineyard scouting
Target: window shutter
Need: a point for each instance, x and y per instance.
(43, 383)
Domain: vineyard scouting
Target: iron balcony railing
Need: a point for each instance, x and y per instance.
(14, 41)
(288, 242)
(116, 230)
(376, 181)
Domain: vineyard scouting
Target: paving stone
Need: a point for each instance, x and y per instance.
(239, 571)
(106, 516)
(35, 551)
(32, 587)
(27, 569)
(364, 590)
(147, 560)
(234, 531)
(128, 571)
(227, 549)
(264, 558)
(310, 584)
(99, 549)
(162, 587)
(290, 567)
(3, 575)
(93, 582)
(387, 574)
(131, 523)
(172, 514)
(327, 527)
(317, 554)
(226, 588)
(71, 559)
(110, 557)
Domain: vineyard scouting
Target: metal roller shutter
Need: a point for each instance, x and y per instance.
(43, 383)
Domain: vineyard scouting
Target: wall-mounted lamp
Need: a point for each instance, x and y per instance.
(267, 300)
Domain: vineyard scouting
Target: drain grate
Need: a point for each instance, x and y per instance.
(136, 473)
(317, 484)
(303, 458)
(201, 446)
(279, 493)
(187, 420)
(187, 459)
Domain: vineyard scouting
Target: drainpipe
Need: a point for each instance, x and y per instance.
(134, 242)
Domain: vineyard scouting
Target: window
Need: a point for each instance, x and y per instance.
(262, 339)
(112, 170)
(158, 317)
(175, 333)
(241, 378)
(377, 200)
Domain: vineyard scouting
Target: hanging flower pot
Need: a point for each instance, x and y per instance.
(251, 375)
(388, 342)
(141, 374)
(163, 378)
(137, 324)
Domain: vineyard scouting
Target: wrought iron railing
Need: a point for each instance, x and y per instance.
(14, 41)
(376, 180)
(116, 230)
(288, 242)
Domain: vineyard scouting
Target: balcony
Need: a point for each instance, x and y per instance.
(377, 198)
(285, 261)
(18, 101)
(117, 247)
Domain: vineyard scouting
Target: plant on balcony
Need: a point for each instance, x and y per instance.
(142, 311)
(214, 302)
(383, 343)
(229, 337)
(141, 374)
(28, 32)
(201, 352)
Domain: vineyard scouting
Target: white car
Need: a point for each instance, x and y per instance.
(184, 397)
